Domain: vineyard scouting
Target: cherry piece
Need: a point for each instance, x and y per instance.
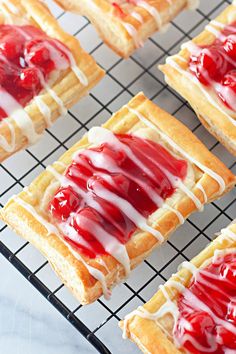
(11, 48)
(230, 80)
(209, 65)
(201, 322)
(231, 312)
(37, 53)
(64, 202)
(29, 78)
(230, 46)
(228, 271)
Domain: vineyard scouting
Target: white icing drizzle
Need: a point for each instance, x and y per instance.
(44, 110)
(7, 15)
(110, 243)
(10, 6)
(65, 182)
(189, 266)
(52, 93)
(175, 211)
(152, 11)
(51, 229)
(47, 194)
(228, 234)
(99, 161)
(189, 76)
(8, 147)
(190, 194)
(205, 169)
(133, 33)
(103, 263)
(170, 306)
(191, 47)
(16, 111)
(60, 163)
(137, 16)
(57, 99)
(77, 71)
(96, 273)
(227, 91)
(214, 31)
(129, 210)
(199, 186)
(21, 118)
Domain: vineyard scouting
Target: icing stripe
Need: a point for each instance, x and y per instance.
(202, 167)
(10, 6)
(170, 306)
(51, 229)
(8, 147)
(19, 115)
(152, 11)
(77, 71)
(44, 110)
(189, 76)
(133, 33)
(129, 210)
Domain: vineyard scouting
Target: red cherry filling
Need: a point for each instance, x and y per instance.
(108, 180)
(230, 46)
(27, 55)
(215, 66)
(64, 202)
(209, 65)
(230, 80)
(214, 328)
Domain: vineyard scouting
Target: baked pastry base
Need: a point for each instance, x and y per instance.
(67, 86)
(211, 117)
(71, 270)
(109, 25)
(146, 333)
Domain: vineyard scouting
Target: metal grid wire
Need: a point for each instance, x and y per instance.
(123, 80)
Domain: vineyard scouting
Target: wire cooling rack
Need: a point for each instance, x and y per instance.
(98, 323)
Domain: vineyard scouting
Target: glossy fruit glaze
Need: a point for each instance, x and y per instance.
(108, 168)
(207, 319)
(215, 65)
(27, 58)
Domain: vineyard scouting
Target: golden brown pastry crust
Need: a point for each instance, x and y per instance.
(146, 333)
(103, 16)
(72, 272)
(67, 87)
(211, 117)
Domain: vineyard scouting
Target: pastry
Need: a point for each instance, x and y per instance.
(114, 196)
(204, 74)
(194, 312)
(43, 72)
(125, 24)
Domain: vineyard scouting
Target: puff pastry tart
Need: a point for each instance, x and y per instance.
(43, 72)
(194, 312)
(204, 74)
(125, 24)
(115, 195)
